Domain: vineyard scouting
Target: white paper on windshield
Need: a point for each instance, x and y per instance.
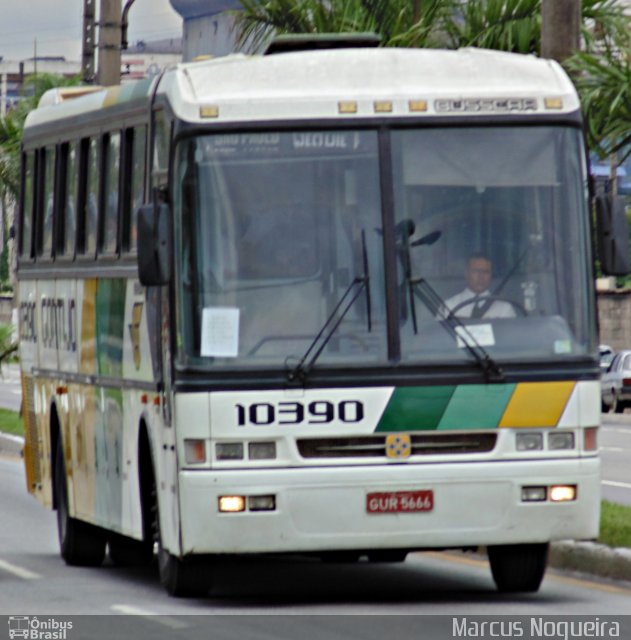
(482, 335)
(220, 332)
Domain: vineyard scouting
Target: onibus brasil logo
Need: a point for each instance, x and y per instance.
(34, 628)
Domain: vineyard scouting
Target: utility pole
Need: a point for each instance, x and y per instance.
(560, 28)
(109, 59)
(87, 49)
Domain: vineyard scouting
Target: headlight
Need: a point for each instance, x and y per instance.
(529, 442)
(561, 440)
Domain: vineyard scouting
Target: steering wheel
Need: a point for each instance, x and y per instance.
(491, 299)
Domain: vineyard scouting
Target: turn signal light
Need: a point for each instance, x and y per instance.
(195, 451)
(590, 439)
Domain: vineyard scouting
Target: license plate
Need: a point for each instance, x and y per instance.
(400, 501)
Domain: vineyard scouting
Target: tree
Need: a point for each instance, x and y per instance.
(507, 25)
(398, 22)
(603, 78)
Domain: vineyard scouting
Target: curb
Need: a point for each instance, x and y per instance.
(583, 557)
(591, 558)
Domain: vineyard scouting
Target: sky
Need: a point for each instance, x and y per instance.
(55, 26)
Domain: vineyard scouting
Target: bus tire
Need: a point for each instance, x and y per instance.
(81, 544)
(518, 567)
(127, 552)
(182, 578)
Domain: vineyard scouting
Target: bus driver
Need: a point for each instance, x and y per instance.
(476, 300)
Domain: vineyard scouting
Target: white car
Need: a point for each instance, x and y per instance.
(615, 384)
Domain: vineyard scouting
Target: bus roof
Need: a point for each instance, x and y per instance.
(352, 83)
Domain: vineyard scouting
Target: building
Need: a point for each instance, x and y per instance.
(13, 73)
(147, 59)
(140, 60)
(207, 27)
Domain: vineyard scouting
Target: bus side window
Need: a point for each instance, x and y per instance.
(27, 202)
(133, 185)
(47, 210)
(110, 177)
(88, 197)
(68, 198)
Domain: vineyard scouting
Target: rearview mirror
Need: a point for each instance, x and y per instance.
(154, 244)
(612, 233)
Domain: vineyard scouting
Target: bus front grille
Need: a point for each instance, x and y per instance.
(375, 446)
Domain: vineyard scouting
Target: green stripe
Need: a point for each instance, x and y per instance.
(477, 406)
(473, 406)
(415, 408)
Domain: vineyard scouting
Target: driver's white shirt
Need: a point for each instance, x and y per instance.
(497, 309)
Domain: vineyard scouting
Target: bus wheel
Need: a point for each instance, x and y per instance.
(518, 567)
(80, 543)
(190, 577)
(127, 552)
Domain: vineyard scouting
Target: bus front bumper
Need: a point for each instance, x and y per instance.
(320, 509)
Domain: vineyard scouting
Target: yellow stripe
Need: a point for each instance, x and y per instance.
(111, 97)
(537, 404)
(87, 349)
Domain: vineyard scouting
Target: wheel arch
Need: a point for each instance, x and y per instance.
(55, 438)
(146, 477)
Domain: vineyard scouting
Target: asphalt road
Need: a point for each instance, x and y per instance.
(615, 451)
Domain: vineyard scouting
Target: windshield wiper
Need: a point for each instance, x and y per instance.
(353, 291)
(421, 288)
(436, 305)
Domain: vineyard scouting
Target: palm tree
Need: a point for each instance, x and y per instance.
(602, 74)
(506, 25)
(398, 22)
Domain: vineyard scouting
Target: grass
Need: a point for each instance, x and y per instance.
(615, 519)
(615, 525)
(10, 422)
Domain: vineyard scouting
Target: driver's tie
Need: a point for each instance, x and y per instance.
(478, 308)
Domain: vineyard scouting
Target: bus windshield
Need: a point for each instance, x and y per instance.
(280, 239)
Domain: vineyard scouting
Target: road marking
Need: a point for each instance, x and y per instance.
(20, 572)
(166, 621)
(613, 483)
(612, 449)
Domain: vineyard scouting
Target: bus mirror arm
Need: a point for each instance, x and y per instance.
(154, 247)
(612, 235)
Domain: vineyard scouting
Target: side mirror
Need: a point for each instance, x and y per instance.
(154, 244)
(612, 233)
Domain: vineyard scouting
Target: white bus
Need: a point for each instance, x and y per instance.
(262, 358)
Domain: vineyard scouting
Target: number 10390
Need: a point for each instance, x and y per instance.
(315, 412)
